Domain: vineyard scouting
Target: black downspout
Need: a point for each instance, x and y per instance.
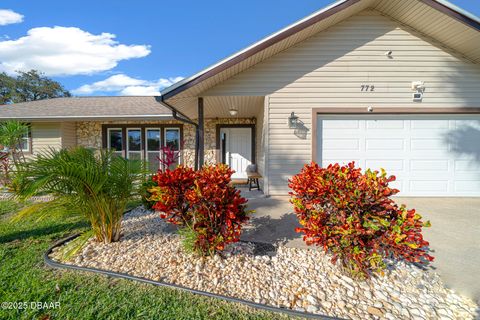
(184, 119)
(201, 134)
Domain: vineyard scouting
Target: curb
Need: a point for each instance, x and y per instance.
(49, 262)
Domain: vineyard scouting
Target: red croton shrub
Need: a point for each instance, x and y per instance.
(210, 210)
(352, 215)
(169, 194)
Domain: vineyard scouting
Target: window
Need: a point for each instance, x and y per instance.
(152, 137)
(115, 140)
(134, 145)
(172, 138)
(25, 141)
(142, 142)
(172, 141)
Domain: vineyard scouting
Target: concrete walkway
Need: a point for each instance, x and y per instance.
(454, 236)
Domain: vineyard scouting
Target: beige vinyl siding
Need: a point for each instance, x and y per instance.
(45, 136)
(328, 69)
(414, 13)
(56, 135)
(69, 136)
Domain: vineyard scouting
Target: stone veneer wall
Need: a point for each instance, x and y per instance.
(89, 134)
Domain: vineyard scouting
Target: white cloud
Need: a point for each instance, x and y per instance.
(8, 16)
(113, 83)
(127, 86)
(66, 51)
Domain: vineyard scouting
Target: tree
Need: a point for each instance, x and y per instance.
(7, 88)
(29, 86)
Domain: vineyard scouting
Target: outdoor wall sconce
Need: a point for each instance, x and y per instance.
(233, 111)
(293, 121)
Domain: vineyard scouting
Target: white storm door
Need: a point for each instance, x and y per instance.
(238, 149)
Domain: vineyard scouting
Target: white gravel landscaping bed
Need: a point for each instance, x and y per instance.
(299, 279)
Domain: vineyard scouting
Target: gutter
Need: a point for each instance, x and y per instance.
(185, 119)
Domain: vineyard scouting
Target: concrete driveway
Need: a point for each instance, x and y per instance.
(454, 236)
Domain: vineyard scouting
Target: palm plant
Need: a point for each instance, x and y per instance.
(12, 133)
(95, 184)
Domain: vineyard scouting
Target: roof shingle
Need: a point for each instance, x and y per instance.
(86, 108)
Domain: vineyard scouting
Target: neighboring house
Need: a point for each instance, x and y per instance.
(391, 84)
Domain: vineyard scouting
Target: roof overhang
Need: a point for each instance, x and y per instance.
(142, 117)
(257, 47)
(209, 77)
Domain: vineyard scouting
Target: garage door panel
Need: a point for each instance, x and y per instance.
(346, 124)
(392, 125)
(392, 165)
(428, 144)
(426, 187)
(341, 144)
(462, 124)
(466, 186)
(343, 161)
(340, 134)
(385, 144)
(466, 166)
(439, 156)
(429, 124)
(429, 165)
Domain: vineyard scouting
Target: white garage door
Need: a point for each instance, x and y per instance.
(429, 155)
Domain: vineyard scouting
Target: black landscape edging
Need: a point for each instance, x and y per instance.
(112, 274)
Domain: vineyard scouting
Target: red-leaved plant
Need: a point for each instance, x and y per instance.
(210, 210)
(170, 194)
(351, 215)
(169, 156)
(219, 209)
(168, 159)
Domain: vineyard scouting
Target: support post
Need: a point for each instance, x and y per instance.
(201, 140)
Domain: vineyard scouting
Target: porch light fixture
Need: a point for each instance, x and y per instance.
(293, 121)
(233, 111)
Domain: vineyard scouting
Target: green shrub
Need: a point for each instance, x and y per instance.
(145, 193)
(96, 185)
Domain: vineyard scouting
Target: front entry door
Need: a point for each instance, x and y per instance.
(236, 150)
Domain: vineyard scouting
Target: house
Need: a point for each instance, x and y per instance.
(391, 84)
(102, 122)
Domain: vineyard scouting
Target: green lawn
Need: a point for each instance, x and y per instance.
(25, 278)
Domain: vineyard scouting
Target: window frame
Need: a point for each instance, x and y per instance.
(143, 129)
(179, 137)
(147, 151)
(142, 143)
(108, 140)
(179, 141)
(28, 139)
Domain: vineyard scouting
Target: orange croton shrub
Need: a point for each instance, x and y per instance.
(352, 216)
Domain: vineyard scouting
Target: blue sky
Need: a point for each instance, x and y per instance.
(132, 47)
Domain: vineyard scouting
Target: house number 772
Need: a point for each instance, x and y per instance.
(367, 87)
